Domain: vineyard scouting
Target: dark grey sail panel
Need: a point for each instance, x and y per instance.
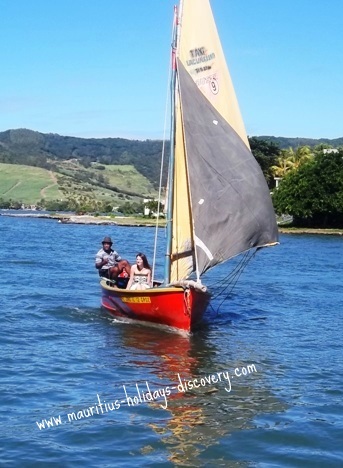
(231, 204)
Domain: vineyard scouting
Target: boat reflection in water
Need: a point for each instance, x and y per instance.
(201, 417)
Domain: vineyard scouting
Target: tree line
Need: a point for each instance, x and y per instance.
(311, 188)
(32, 148)
(310, 178)
(310, 182)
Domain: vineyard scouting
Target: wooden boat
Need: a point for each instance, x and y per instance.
(218, 202)
(177, 307)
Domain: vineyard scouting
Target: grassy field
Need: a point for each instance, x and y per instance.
(123, 177)
(29, 184)
(81, 181)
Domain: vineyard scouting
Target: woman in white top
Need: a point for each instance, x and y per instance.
(140, 275)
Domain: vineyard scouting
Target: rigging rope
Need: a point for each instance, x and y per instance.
(162, 164)
(232, 278)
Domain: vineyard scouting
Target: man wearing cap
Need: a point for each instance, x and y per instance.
(109, 262)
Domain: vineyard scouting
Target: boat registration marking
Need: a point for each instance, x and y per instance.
(140, 300)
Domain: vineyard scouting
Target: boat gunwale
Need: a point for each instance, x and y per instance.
(153, 291)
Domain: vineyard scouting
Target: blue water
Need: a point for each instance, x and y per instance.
(281, 327)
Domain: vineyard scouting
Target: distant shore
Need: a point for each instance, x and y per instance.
(144, 222)
(328, 232)
(67, 218)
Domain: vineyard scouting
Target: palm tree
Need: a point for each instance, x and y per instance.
(283, 165)
(303, 154)
(290, 160)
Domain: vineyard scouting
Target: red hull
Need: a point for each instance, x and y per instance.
(172, 306)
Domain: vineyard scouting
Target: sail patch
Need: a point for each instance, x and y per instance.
(199, 243)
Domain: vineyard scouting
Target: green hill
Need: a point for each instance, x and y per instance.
(114, 185)
(288, 142)
(27, 183)
(38, 167)
(32, 148)
(35, 166)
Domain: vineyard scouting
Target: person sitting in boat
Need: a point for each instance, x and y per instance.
(110, 264)
(140, 275)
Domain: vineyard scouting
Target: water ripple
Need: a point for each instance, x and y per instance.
(61, 354)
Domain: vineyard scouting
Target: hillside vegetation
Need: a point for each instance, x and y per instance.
(114, 185)
(77, 173)
(57, 172)
(32, 148)
(28, 183)
(286, 143)
(44, 150)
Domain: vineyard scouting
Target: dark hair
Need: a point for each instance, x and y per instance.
(145, 260)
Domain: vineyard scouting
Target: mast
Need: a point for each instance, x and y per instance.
(172, 153)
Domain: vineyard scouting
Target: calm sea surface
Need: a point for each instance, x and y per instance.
(274, 347)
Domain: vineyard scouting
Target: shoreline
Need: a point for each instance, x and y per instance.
(66, 218)
(142, 222)
(327, 232)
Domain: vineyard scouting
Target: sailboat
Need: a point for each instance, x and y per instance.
(218, 202)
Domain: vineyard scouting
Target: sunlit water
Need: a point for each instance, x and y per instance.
(62, 354)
